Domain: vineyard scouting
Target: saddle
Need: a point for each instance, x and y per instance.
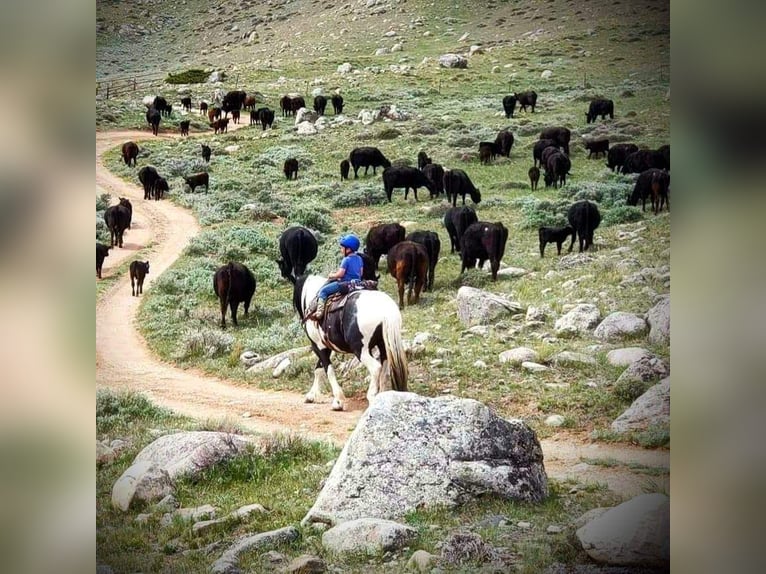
(337, 301)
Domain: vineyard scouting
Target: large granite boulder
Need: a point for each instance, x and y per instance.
(650, 409)
(579, 320)
(658, 318)
(478, 307)
(619, 325)
(409, 452)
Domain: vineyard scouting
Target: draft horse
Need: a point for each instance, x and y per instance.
(368, 320)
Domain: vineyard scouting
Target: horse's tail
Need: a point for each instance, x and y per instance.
(397, 358)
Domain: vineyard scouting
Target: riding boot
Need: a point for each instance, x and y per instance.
(319, 312)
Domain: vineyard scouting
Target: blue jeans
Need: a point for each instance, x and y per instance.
(332, 288)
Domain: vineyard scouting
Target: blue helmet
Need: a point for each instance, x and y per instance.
(350, 241)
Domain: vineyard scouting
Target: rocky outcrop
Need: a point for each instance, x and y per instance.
(478, 307)
(581, 319)
(652, 409)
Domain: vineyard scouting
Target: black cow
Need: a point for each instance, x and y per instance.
(320, 103)
(266, 117)
(429, 240)
(253, 117)
(153, 118)
(117, 219)
(653, 183)
(484, 241)
(640, 161)
(138, 270)
(344, 169)
(380, 239)
(161, 187)
(197, 179)
(406, 177)
(184, 125)
(560, 135)
(101, 252)
(233, 284)
(367, 157)
(368, 268)
(509, 105)
(298, 247)
(527, 99)
(584, 218)
(291, 168)
(206, 153)
(539, 147)
(337, 103)
(456, 221)
(407, 262)
(203, 108)
(504, 141)
(186, 103)
(487, 152)
(534, 177)
(615, 157)
(665, 151)
(423, 159)
(557, 168)
(599, 107)
(233, 100)
(162, 106)
(435, 173)
(547, 153)
(129, 153)
(557, 235)
(291, 104)
(235, 116)
(148, 176)
(249, 103)
(125, 202)
(597, 147)
(457, 182)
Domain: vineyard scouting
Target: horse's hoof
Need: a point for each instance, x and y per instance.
(309, 399)
(337, 405)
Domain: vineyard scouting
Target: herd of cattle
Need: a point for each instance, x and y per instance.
(411, 259)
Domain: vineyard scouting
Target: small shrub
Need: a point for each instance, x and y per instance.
(193, 76)
(630, 389)
(205, 343)
(622, 214)
(313, 215)
(538, 212)
(388, 134)
(102, 201)
(118, 410)
(360, 195)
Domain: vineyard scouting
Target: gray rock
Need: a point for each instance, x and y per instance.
(370, 536)
(512, 272)
(216, 76)
(195, 514)
(650, 409)
(142, 482)
(555, 421)
(190, 453)
(273, 558)
(306, 564)
(227, 563)
(249, 358)
(244, 511)
(581, 319)
(306, 129)
(625, 357)
(345, 68)
(519, 355)
(142, 518)
(635, 533)
(659, 322)
(554, 529)
(645, 369)
(591, 514)
(546, 74)
(271, 363)
(422, 561)
(305, 115)
(619, 325)
(280, 368)
(534, 367)
(453, 61)
(478, 307)
(408, 452)
(570, 358)
(535, 314)
(167, 504)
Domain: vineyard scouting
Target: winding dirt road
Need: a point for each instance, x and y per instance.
(123, 361)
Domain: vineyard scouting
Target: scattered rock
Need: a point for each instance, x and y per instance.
(524, 525)
(535, 314)
(369, 536)
(204, 526)
(381, 51)
(270, 363)
(453, 61)
(345, 68)
(620, 325)
(645, 369)
(396, 48)
(463, 38)
(167, 504)
(281, 367)
(444, 451)
(142, 518)
(475, 49)
(479, 364)
(624, 357)
(554, 529)
(554, 421)
(305, 115)
(231, 148)
(475, 306)
(519, 355)
(570, 358)
(546, 74)
(534, 367)
(422, 561)
(216, 76)
(227, 563)
(462, 547)
(306, 564)
(659, 322)
(652, 409)
(512, 272)
(581, 319)
(244, 511)
(591, 514)
(142, 482)
(306, 129)
(390, 34)
(635, 533)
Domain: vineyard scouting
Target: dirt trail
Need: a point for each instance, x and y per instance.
(123, 361)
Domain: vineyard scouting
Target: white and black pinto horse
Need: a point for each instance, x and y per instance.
(369, 320)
